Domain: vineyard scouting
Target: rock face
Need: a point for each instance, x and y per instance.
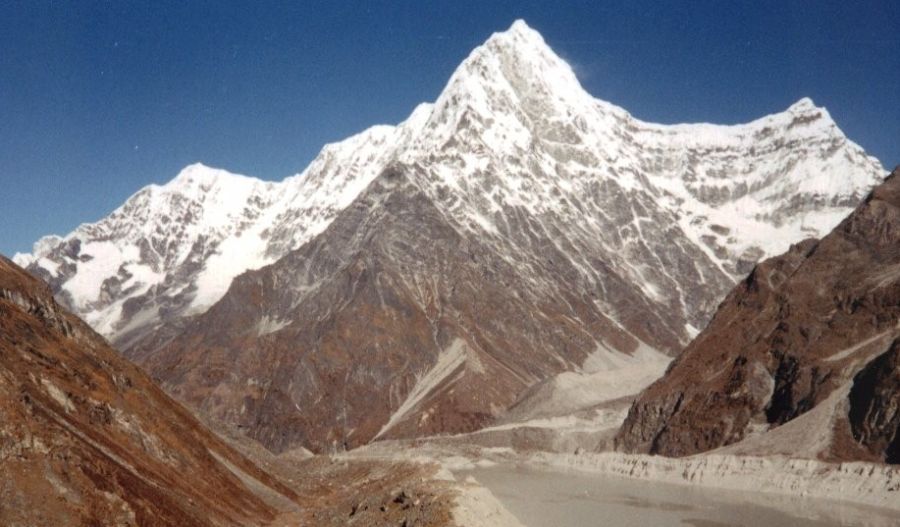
(87, 439)
(875, 406)
(421, 276)
(801, 355)
(389, 323)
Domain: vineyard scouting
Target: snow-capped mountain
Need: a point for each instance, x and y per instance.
(739, 193)
(171, 251)
(518, 227)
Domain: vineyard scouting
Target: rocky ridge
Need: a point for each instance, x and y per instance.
(800, 359)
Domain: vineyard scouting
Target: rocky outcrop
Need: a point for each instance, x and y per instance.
(812, 329)
(875, 406)
(87, 439)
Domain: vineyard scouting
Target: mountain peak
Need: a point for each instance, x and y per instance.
(814, 119)
(198, 172)
(519, 32)
(521, 26)
(522, 46)
(512, 69)
(803, 105)
(198, 177)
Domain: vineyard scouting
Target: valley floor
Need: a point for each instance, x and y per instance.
(388, 488)
(550, 463)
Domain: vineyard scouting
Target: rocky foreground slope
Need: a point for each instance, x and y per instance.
(800, 359)
(421, 277)
(87, 439)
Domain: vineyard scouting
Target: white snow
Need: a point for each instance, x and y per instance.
(233, 256)
(105, 259)
(49, 265)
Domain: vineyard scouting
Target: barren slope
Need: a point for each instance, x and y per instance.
(800, 359)
(87, 439)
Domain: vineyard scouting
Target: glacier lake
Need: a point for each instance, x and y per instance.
(550, 498)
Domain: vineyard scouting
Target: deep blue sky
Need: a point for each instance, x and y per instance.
(98, 99)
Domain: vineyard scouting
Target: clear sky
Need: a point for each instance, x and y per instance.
(98, 99)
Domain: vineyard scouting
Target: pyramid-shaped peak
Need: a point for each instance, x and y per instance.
(813, 118)
(516, 61)
(522, 31)
(804, 105)
(520, 39)
(520, 25)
